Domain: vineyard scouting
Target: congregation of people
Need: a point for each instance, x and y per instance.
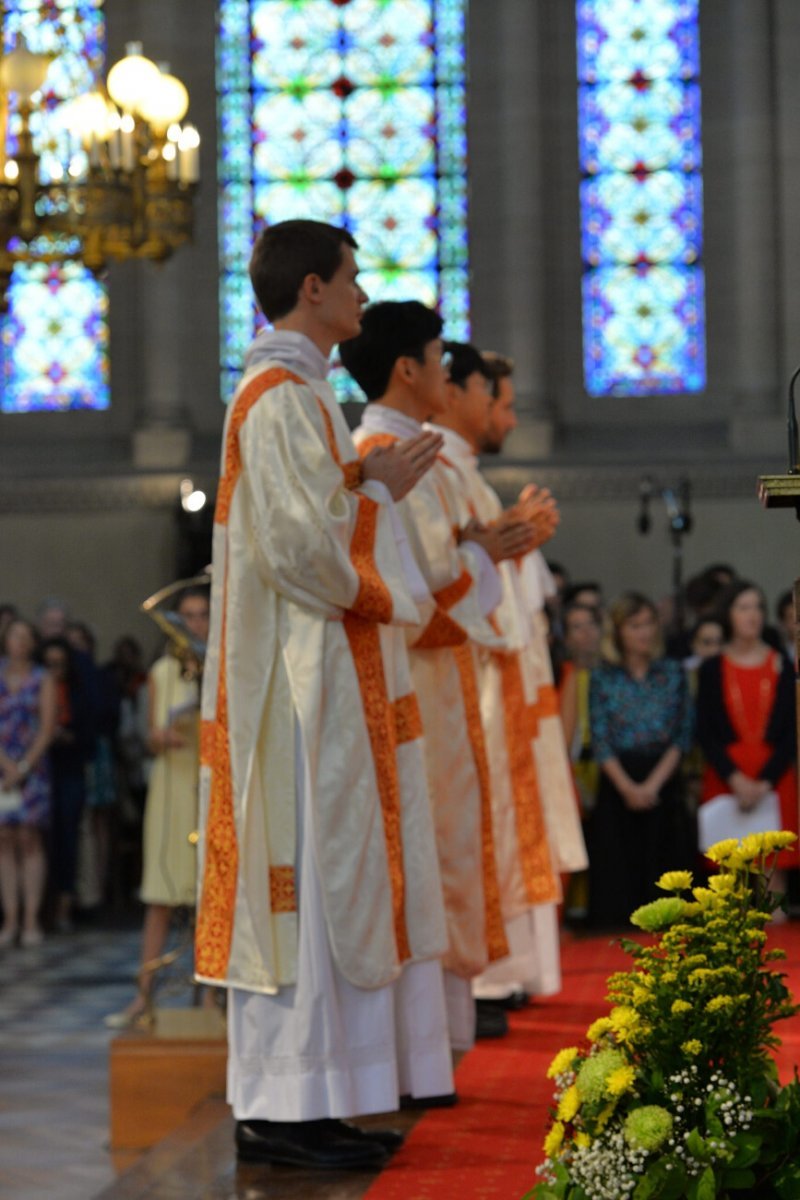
(419, 745)
(98, 762)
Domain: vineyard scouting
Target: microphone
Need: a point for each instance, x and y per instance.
(685, 494)
(645, 496)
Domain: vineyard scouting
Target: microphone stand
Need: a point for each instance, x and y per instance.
(677, 502)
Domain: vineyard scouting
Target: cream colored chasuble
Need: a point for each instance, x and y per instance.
(309, 594)
(443, 670)
(517, 695)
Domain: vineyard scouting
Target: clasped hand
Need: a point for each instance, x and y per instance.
(401, 466)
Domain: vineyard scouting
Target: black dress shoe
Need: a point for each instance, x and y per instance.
(325, 1145)
(490, 1021)
(416, 1102)
(390, 1139)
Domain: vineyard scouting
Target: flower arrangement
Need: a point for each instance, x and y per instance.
(674, 1095)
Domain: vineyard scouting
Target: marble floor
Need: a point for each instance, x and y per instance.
(54, 1059)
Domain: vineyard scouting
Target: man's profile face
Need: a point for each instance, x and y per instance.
(473, 399)
(502, 417)
(343, 299)
(430, 378)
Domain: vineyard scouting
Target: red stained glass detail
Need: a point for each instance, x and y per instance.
(344, 179)
(342, 87)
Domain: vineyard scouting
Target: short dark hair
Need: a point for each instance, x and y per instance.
(465, 360)
(390, 330)
(500, 367)
(284, 254)
(572, 590)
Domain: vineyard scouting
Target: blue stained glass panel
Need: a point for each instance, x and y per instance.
(55, 337)
(640, 152)
(355, 114)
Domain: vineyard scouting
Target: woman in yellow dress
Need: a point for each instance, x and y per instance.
(169, 876)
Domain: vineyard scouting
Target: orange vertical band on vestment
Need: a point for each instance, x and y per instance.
(495, 931)
(214, 934)
(233, 453)
(546, 702)
(534, 851)
(373, 605)
(407, 719)
(365, 646)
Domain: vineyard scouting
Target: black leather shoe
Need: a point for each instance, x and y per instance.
(490, 1021)
(416, 1102)
(325, 1145)
(390, 1139)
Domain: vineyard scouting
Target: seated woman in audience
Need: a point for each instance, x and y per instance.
(641, 722)
(27, 721)
(746, 716)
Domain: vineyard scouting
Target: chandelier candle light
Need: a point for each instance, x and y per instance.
(125, 171)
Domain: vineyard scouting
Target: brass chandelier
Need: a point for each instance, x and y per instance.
(123, 188)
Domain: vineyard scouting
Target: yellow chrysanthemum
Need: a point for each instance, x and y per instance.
(778, 840)
(720, 851)
(679, 1007)
(605, 1116)
(693, 1046)
(582, 1141)
(562, 1062)
(598, 1028)
(552, 1143)
(675, 881)
(720, 1004)
(620, 1081)
(669, 977)
(701, 975)
(723, 884)
(751, 847)
(569, 1104)
(705, 897)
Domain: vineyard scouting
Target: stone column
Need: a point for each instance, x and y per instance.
(753, 340)
(164, 316)
(507, 234)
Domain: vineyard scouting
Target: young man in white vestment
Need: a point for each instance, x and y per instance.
(320, 904)
(509, 686)
(397, 361)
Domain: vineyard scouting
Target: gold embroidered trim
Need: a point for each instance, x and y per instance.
(534, 850)
(495, 929)
(365, 646)
(233, 454)
(451, 593)
(407, 719)
(440, 631)
(282, 893)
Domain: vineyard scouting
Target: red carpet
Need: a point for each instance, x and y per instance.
(488, 1146)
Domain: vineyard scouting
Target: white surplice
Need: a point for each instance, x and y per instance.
(320, 900)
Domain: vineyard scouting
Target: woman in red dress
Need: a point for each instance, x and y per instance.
(746, 716)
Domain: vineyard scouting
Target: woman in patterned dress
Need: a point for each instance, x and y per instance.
(27, 722)
(641, 722)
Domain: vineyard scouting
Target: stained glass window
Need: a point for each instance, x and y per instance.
(55, 336)
(352, 112)
(641, 196)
